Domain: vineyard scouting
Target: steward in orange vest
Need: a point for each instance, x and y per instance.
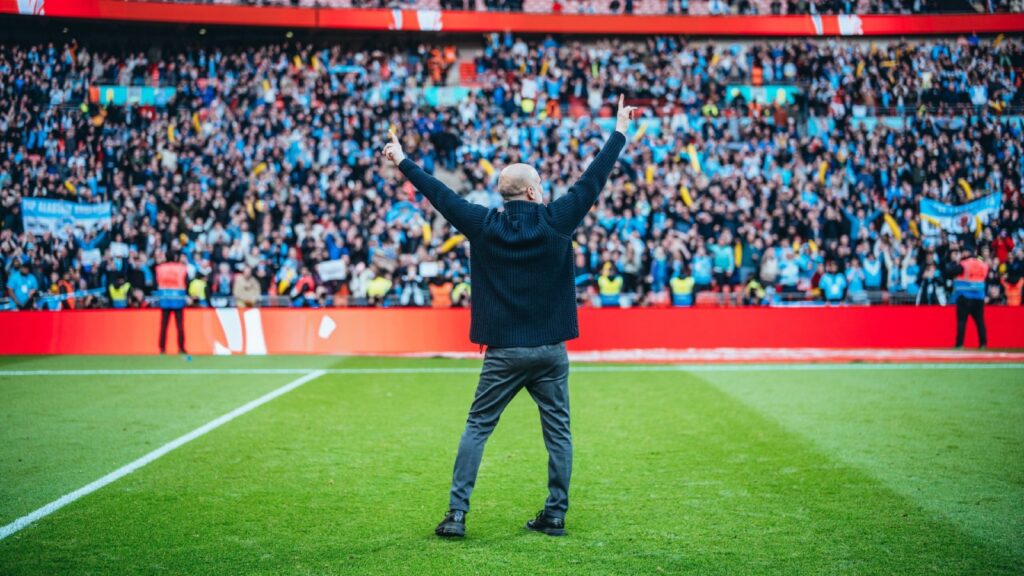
(969, 295)
(171, 277)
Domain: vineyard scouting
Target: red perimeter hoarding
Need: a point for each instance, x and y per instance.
(475, 22)
(422, 331)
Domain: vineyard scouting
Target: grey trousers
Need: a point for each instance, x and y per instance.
(544, 372)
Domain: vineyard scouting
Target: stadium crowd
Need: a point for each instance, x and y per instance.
(265, 171)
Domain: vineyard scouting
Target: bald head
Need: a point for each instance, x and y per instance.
(519, 182)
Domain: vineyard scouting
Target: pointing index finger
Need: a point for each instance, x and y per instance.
(621, 100)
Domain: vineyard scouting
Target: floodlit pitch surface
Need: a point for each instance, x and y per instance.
(848, 469)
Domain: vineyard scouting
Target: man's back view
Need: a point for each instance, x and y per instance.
(523, 310)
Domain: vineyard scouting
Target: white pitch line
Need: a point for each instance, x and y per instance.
(232, 371)
(156, 372)
(123, 471)
(717, 367)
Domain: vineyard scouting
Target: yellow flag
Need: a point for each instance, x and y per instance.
(451, 243)
(999, 40)
(170, 132)
(286, 281)
(977, 227)
(195, 121)
(487, 166)
(71, 187)
(266, 85)
(649, 174)
(737, 253)
(259, 168)
(544, 68)
(931, 220)
(967, 188)
(639, 132)
(684, 193)
(297, 61)
(691, 151)
(914, 229)
(428, 233)
(316, 62)
(894, 226)
(813, 245)
(860, 68)
(822, 170)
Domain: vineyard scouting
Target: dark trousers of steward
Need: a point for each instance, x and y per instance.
(975, 309)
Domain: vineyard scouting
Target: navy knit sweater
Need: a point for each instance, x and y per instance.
(521, 257)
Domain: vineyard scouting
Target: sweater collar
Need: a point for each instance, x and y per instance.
(520, 206)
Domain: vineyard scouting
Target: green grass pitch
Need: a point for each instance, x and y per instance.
(854, 469)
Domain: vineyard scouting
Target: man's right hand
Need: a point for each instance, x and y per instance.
(393, 150)
(623, 116)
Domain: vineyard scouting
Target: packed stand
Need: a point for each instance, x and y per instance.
(266, 174)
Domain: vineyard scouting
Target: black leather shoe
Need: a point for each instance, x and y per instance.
(453, 525)
(547, 524)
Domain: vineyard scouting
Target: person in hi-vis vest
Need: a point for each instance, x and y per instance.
(969, 293)
(681, 285)
(171, 277)
(609, 286)
(118, 292)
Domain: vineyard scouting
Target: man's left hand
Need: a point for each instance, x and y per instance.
(623, 116)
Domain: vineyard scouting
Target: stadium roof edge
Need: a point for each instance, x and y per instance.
(380, 20)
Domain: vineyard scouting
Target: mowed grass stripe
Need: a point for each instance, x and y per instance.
(57, 434)
(954, 443)
(349, 473)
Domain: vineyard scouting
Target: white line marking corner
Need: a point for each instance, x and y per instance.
(127, 469)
